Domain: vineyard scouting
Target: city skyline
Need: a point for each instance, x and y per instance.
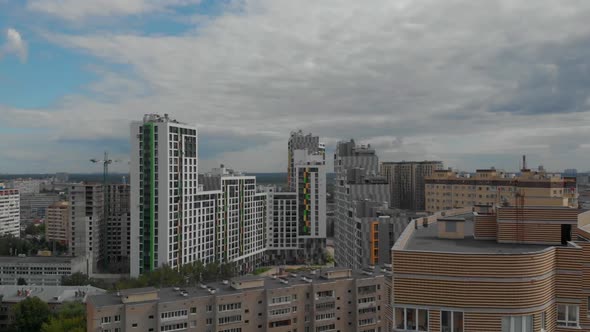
(465, 84)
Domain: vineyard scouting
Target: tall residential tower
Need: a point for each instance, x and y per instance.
(406, 182)
(164, 182)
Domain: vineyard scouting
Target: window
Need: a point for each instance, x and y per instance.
(567, 315)
(517, 324)
(410, 319)
(450, 227)
(451, 321)
(543, 322)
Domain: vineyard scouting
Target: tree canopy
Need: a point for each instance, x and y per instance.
(71, 317)
(30, 314)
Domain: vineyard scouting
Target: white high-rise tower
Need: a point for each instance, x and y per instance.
(164, 182)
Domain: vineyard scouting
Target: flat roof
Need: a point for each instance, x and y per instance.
(169, 294)
(36, 259)
(50, 294)
(426, 239)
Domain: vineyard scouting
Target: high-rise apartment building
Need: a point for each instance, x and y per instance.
(87, 223)
(357, 180)
(117, 241)
(329, 300)
(57, 223)
(311, 206)
(282, 238)
(179, 217)
(406, 182)
(446, 189)
(9, 212)
(164, 185)
(235, 217)
(297, 232)
(300, 141)
(506, 269)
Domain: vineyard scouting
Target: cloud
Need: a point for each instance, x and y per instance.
(448, 80)
(14, 44)
(78, 10)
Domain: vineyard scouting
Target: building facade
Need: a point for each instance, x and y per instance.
(9, 212)
(117, 241)
(37, 270)
(446, 189)
(33, 206)
(235, 220)
(282, 238)
(179, 217)
(57, 223)
(406, 182)
(305, 237)
(164, 182)
(330, 300)
(503, 269)
(357, 180)
(87, 209)
(303, 142)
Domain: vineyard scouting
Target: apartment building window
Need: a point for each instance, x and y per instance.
(517, 324)
(410, 319)
(543, 322)
(567, 315)
(451, 321)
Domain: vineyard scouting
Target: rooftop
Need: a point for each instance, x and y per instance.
(36, 259)
(426, 239)
(49, 294)
(170, 294)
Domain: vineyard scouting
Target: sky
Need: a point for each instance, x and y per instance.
(472, 83)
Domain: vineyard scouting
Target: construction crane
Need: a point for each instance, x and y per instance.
(105, 165)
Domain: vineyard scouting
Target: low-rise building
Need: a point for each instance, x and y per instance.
(329, 300)
(506, 269)
(38, 270)
(54, 296)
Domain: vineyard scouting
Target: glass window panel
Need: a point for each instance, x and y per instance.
(399, 318)
(572, 313)
(422, 320)
(410, 319)
(517, 324)
(505, 324)
(445, 321)
(560, 312)
(457, 321)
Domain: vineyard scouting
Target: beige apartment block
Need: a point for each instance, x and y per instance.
(334, 299)
(505, 269)
(446, 189)
(58, 223)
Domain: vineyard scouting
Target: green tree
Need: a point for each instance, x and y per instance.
(30, 314)
(76, 279)
(227, 270)
(71, 317)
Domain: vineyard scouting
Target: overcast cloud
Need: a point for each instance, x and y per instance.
(471, 83)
